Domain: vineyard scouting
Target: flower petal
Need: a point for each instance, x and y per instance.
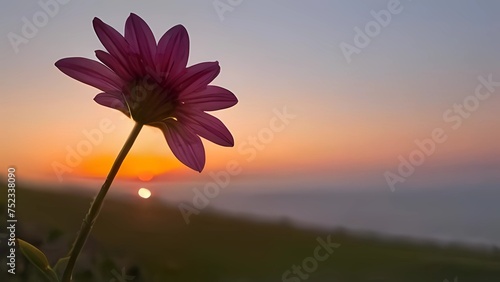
(114, 101)
(112, 63)
(196, 77)
(90, 72)
(113, 41)
(185, 145)
(207, 126)
(212, 98)
(141, 38)
(173, 51)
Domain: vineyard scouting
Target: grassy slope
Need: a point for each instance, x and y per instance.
(214, 247)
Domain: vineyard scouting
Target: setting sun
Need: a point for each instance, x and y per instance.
(144, 193)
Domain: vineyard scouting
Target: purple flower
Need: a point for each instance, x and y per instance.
(149, 82)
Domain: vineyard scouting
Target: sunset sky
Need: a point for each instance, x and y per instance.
(351, 120)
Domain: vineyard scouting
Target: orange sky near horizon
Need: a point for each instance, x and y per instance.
(345, 145)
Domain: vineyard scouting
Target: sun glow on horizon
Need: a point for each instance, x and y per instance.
(143, 167)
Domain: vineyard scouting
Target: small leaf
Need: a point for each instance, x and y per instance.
(37, 258)
(60, 265)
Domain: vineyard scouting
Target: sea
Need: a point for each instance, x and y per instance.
(462, 215)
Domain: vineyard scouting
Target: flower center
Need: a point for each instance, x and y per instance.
(149, 101)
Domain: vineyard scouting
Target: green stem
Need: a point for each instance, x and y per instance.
(95, 208)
